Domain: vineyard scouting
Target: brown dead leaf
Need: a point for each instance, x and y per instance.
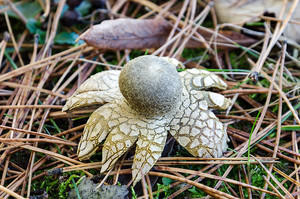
(120, 34)
(241, 12)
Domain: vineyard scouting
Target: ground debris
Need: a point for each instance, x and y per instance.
(87, 189)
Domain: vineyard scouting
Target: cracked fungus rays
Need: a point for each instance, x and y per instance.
(137, 112)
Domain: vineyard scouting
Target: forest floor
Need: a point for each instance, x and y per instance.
(42, 65)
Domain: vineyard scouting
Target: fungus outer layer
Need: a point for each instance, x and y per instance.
(190, 121)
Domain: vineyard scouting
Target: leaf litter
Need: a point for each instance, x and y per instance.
(37, 78)
(121, 34)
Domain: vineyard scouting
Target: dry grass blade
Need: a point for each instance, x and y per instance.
(288, 194)
(13, 85)
(212, 177)
(277, 33)
(62, 158)
(13, 194)
(286, 176)
(34, 133)
(274, 188)
(212, 192)
(179, 161)
(7, 140)
(283, 96)
(13, 38)
(279, 116)
(31, 106)
(41, 63)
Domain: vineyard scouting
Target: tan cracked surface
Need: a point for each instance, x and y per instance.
(125, 127)
(100, 88)
(194, 126)
(191, 123)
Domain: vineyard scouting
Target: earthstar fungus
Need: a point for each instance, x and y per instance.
(157, 100)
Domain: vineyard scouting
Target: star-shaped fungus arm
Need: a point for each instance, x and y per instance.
(120, 139)
(194, 126)
(200, 132)
(215, 100)
(95, 131)
(100, 88)
(197, 81)
(124, 132)
(149, 147)
(203, 80)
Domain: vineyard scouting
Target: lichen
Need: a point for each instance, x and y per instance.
(88, 189)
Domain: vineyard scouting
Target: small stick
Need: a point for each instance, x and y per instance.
(16, 11)
(144, 185)
(6, 140)
(47, 9)
(13, 38)
(31, 106)
(106, 176)
(3, 45)
(272, 186)
(149, 186)
(17, 196)
(275, 180)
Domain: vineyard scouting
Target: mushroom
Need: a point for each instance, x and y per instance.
(151, 99)
(150, 85)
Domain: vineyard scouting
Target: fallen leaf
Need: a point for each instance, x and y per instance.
(66, 38)
(28, 9)
(241, 12)
(123, 34)
(120, 34)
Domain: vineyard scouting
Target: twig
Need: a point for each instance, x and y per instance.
(13, 38)
(213, 192)
(16, 11)
(13, 194)
(54, 26)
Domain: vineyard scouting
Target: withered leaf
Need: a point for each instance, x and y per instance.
(120, 34)
(241, 12)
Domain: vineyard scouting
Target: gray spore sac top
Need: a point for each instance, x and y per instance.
(151, 85)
